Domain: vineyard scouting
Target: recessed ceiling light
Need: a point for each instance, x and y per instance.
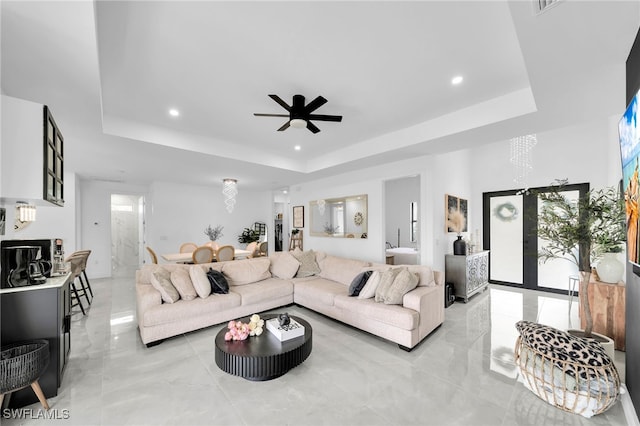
(297, 148)
(457, 79)
(174, 112)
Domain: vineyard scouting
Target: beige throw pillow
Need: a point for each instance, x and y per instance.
(182, 282)
(386, 279)
(200, 281)
(284, 265)
(404, 282)
(369, 289)
(161, 281)
(308, 265)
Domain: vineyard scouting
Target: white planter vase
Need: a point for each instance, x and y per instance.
(609, 268)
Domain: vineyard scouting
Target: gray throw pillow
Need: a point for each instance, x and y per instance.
(369, 289)
(308, 265)
(161, 281)
(358, 283)
(404, 282)
(386, 279)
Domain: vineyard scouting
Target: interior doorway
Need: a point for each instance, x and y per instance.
(127, 234)
(402, 225)
(510, 233)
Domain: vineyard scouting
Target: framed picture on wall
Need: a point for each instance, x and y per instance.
(3, 219)
(298, 217)
(455, 203)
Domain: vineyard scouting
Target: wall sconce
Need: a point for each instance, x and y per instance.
(25, 214)
(230, 190)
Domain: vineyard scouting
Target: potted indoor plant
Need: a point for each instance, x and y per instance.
(213, 233)
(248, 236)
(594, 224)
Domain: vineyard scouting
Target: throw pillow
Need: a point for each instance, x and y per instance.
(246, 271)
(308, 265)
(200, 281)
(386, 279)
(404, 282)
(369, 289)
(284, 265)
(358, 283)
(181, 281)
(219, 284)
(161, 281)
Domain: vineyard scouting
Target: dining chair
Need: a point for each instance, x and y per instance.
(263, 249)
(188, 247)
(251, 248)
(202, 254)
(154, 258)
(225, 253)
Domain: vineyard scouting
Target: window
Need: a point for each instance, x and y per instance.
(413, 227)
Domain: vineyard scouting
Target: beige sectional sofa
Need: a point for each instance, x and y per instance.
(261, 284)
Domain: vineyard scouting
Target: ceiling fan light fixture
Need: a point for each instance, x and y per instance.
(298, 123)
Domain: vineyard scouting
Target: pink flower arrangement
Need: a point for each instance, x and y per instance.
(240, 331)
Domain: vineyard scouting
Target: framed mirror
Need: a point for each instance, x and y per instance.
(344, 217)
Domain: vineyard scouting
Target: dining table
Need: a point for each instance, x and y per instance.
(187, 257)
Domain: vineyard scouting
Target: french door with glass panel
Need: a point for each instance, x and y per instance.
(510, 223)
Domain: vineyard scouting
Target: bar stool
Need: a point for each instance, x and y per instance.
(76, 271)
(85, 257)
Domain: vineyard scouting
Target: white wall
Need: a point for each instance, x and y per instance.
(178, 213)
(51, 221)
(399, 194)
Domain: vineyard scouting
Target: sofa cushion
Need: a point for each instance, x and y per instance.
(320, 290)
(283, 265)
(404, 282)
(340, 269)
(269, 289)
(247, 271)
(369, 289)
(386, 280)
(219, 284)
(161, 281)
(308, 265)
(200, 281)
(183, 310)
(358, 283)
(182, 282)
(393, 315)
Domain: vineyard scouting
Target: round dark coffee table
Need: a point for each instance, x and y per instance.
(262, 357)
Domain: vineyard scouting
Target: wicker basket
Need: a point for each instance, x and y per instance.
(22, 364)
(570, 385)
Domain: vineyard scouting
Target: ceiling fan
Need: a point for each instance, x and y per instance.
(300, 114)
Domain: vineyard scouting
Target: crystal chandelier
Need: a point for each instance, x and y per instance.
(321, 205)
(520, 158)
(230, 190)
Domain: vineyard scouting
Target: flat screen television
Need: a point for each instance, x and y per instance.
(630, 155)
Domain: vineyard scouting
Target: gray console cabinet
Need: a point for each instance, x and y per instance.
(469, 274)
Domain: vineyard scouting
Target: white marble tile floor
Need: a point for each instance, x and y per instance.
(463, 374)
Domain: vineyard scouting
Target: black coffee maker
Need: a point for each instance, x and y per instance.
(25, 266)
(8, 262)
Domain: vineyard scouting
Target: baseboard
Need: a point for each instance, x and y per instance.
(627, 406)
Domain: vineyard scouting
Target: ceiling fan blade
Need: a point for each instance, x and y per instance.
(282, 103)
(325, 117)
(312, 127)
(285, 126)
(315, 104)
(257, 114)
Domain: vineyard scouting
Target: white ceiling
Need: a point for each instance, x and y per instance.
(110, 71)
